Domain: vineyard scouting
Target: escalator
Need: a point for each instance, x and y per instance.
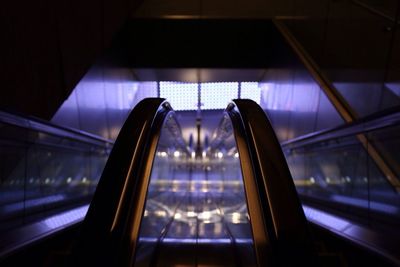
(347, 179)
(162, 203)
(232, 202)
(48, 175)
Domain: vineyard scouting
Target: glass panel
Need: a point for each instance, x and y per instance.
(382, 195)
(342, 175)
(322, 167)
(42, 174)
(12, 178)
(195, 209)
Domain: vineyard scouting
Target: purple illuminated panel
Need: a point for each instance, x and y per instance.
(250, 90)
(102, 100)
(182, 96)
(66, 218)
(218, 95)
(286, 97)
(394, 87)
(295, 104)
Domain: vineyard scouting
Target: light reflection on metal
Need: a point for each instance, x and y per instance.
(238, 216)
(205, 215)
(160, 213)
(66, 218)
(328, 220)
(191, 214)
(31, 203)
(162, 154)
(196, 186)
(188, 241)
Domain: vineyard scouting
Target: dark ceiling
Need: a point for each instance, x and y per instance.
(200, 50)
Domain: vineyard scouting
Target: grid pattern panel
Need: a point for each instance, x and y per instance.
(181, 96)
(250, 90)
(218, 95)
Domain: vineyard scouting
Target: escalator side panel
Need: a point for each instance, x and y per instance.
(107, 238)
(275, 183)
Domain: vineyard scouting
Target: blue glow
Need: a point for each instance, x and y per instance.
(250, 90)
(100, 104)
(66, 218)
(394, 87)
(299, 97)
(181, 96)
(218, 95)
(33, 203)
(328, 220)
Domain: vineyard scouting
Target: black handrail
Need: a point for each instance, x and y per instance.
(287, 242)
(39, 125)
(381, 120)
(110, 230)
